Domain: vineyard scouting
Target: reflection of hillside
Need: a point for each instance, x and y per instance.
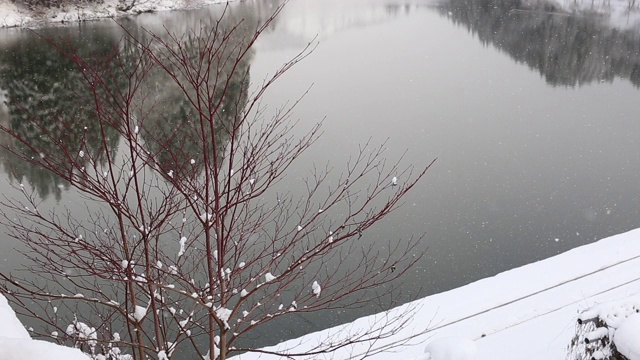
(566, 50)
(173, 133)
(43, 104)
(43, 100)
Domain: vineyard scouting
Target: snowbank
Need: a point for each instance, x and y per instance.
(451, 348)
(627, 337)
(527, 313)
(27, 349)
(10, 326)
(16, 344)
(12, 15)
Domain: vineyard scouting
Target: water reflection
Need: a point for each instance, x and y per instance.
(43, 102)
(171, 130)
(42, 94)
(566, 50)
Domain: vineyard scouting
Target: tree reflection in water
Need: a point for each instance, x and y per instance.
(566, 49)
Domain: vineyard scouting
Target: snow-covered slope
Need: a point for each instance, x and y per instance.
(16, 344)
(526, 313)
(27, 349)
(10, 326)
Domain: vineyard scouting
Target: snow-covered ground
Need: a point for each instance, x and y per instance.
(16, 344)
(12, 15)
(526, 313)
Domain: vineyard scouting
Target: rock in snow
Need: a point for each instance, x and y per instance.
(451, 348)
(626, 337)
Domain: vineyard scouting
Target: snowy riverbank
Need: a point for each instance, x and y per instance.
(12, 15)
(525, 313)
(16, 344)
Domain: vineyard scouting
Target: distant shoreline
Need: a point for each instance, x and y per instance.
(12, 15)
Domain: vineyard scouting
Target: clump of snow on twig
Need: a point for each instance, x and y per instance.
(268, 277)
(183, 241)
(162, 355)
(223, 313)
(139, 313)
(315, 287)
(83, 332)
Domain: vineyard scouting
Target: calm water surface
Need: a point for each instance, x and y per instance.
(533, 118)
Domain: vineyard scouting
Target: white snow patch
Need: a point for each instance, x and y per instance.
(315, 287)
(503, 313)
(627, 337)
(183, 241)
(162, 355)
(268, 277)
(205, 216)
(10, 326)
(216, 352)
(16, 343)
(139, 313)
(27, 349)
(451, 348)
(223, 313)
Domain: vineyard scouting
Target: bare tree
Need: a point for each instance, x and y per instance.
(191, 238)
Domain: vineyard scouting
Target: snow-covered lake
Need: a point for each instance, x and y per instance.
(532, 116)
